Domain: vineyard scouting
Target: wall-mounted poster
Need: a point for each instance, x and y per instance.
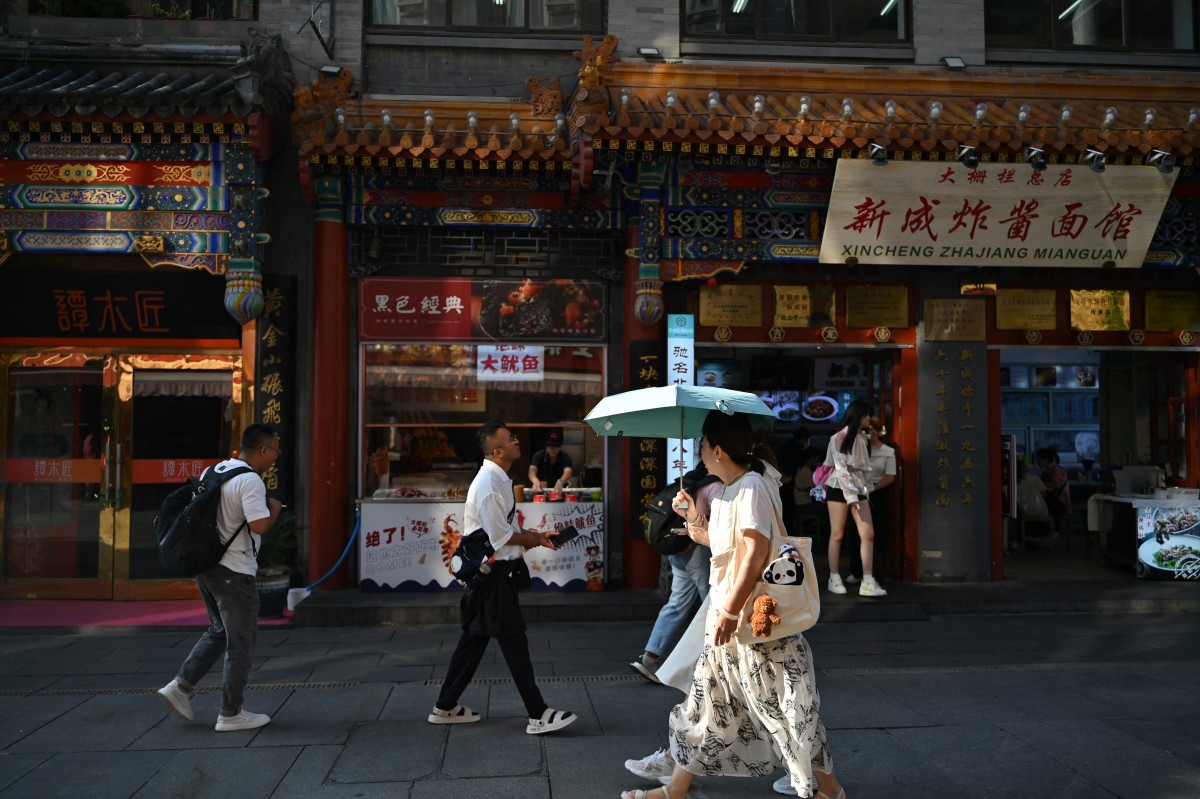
(805, 306)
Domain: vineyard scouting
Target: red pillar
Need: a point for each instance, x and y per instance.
(330, 473)
(640, 563)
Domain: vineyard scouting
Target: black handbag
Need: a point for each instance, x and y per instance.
(472, 561)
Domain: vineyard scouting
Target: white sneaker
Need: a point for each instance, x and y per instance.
(658, 766)
(870, 588)
(783, 785)
(647, 667)
(835, 584)
(245, 720)
(176, 699)
(550, 721)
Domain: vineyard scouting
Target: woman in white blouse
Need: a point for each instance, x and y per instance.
(846, 492)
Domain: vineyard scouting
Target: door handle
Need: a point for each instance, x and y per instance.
(117, 482)
(107, 461)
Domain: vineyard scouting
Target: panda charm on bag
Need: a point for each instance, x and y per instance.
(787, 569)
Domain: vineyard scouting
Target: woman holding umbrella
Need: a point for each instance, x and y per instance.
(747, 702)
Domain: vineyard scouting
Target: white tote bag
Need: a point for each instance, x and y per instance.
(676, 671)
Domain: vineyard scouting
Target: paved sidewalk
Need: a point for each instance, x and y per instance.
(1036, 706)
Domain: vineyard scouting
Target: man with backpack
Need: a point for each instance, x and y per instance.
(689, 567)
(228, 589)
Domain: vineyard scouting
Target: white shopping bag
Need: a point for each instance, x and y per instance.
(676, 670)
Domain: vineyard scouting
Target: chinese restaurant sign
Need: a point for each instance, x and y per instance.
(509, 362)
(460, 309)
(998, 214)
(159, 306)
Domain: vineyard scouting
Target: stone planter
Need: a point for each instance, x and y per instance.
(273, 584)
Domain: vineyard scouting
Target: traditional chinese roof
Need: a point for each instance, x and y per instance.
(902, 111)
(39, 92)
(756, 111)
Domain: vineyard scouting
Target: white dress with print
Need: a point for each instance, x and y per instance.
(751, 708)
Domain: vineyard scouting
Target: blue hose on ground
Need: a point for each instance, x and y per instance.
(298, 595)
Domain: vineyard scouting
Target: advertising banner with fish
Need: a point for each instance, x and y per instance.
(1168, 539)
(407, 546)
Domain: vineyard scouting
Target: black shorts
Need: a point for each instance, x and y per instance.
(836, 495)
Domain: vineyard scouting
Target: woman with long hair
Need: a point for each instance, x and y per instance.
(846, 492)
(752, 707)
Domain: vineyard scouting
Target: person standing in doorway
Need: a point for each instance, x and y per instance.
(1057, 489)
(228, 589)
(550, 467)
(846, 493)
(492, 610)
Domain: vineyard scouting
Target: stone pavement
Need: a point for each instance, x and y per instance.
(1036, 706)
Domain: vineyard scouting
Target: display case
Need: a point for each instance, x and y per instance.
(1052, 406)
(423, 404)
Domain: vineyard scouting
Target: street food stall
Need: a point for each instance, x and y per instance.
(438, 359)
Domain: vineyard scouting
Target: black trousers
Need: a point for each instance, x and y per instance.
(491, 612)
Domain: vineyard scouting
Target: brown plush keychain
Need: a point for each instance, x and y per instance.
(763, 616)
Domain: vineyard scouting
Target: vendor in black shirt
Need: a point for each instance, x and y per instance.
(550, 467)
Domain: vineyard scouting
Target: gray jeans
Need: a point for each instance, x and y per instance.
(231, 600)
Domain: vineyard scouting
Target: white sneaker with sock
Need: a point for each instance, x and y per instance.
(244, 720)
(176, 699)
(870, 588)
(835, 584)
(657, 766)
(783, 785)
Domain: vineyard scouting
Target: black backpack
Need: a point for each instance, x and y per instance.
(189, 542)
(661, 517)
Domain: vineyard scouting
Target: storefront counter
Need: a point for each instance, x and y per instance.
(406, 544)
(1127, 528)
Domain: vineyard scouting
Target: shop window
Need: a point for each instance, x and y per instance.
(519, 16)
(146, 9)
(1109, 25)
(423, 403)
(811, 20)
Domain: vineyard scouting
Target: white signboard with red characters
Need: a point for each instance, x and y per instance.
(997, 214)
(406, 546)
(508, 362)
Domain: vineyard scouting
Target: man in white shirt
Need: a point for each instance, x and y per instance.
(228, 589)
(492, 610)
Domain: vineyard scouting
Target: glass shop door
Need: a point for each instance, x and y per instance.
(91, 444)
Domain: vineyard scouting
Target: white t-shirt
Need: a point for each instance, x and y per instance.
(243, 499)
(883, 463)
(489, 500)
(755, 497)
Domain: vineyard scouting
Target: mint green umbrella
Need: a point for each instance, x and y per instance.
(670, 411)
